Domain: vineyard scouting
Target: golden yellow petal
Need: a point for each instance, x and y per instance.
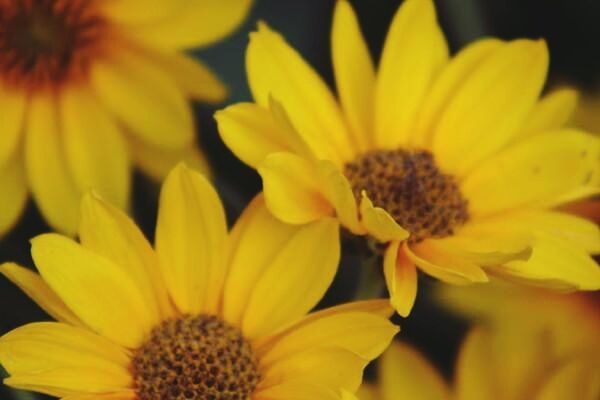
(414, 53)
(552, 112)
(58, 359)
(296, 390)
(52, 186)
(252, 132)
(404, 373)
(294, 280)
(278, 71)
(338, 192)
(95, 149)
(145, 97)
(13, 105)
(445, 86)
(378, 223)
(576, 379)
(354, 75)
(491, 106)
(190, 241)
(331, 367)
(196, 23)
(476, 376)
(109, 232)
(291, 192)
(401, 278)
(39, 291)
(192, 76)
(139, 11)
(535, 171)
(14, 193)
(255, 229)
(99, 292)
(437, 261)
(362, 332)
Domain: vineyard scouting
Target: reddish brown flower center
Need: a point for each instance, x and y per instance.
(198, 358)
(47, 42)
(411, 188)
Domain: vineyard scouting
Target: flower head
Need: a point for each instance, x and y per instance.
(203, 315)
(455, 163)
(549, 350)
(89, 87)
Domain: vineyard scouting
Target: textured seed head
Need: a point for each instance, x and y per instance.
(411, 188)
(200, 358)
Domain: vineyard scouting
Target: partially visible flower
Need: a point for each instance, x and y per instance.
(90, 87)
(529, 344)
(456, 164)
(204, 315)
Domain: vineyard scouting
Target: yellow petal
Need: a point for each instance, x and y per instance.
(59, 359)
(338, 192)
(404, 373)
(446, 84)
(51, 184)
(139, 11)
(99, 292)
(13, 105)
(196, 23)
(295, 279)
(540, 169)
(491, 106)
(157, 162)
(354, 74)
(145, 97)
(193, 77)
(576, 379)
(414, 53)
(291, 192)
(552, 112)
(255, 229)
(296, 390)
(14, 196)
(252, 132)
(109, 232)
(378, 223)
(315, 366)
(190, 241)
(360, 331)
(121, 395)
(401, 279)
(442, 264)
(475, 374)
(575, 231)
(39, 291)
(276, 70)
(554, 263)
(95, 149)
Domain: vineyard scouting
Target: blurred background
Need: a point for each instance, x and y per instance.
(571, 29)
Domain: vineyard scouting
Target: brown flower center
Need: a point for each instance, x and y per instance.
(46, 42)
(411, 188)
(198, 358)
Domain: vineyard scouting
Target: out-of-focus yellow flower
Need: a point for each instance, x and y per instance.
(88, 87)
(587, 114)
(531, 344)
(455, 163)
(204, 315)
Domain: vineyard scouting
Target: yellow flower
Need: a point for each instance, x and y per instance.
(532, 345)
(455, 163)
(89, 87)
(206, 315)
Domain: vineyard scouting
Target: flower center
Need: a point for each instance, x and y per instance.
(46, 42)
(411, 188)
(199, 357)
